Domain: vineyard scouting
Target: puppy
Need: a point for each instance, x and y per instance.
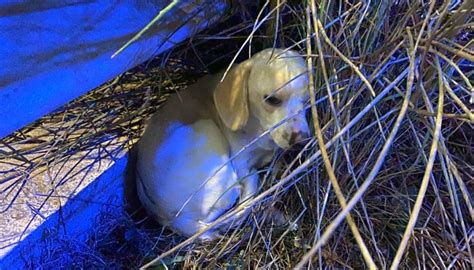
(188, 173)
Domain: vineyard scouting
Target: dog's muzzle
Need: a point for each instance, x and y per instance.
(297, 136)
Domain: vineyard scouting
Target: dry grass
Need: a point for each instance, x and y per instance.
(393, 142)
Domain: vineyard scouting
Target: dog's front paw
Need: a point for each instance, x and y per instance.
(210, 235)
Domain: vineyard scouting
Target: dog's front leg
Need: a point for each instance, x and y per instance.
(249, 186)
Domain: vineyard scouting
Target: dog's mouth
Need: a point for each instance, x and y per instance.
(289, 139)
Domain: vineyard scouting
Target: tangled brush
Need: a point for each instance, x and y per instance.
(387, 178)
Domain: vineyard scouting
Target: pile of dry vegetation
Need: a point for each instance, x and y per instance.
(386, 179)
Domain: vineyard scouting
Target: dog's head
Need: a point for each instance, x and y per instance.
(272, 86)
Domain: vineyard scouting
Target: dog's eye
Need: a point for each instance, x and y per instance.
(272, 100)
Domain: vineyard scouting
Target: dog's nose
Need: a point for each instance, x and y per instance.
(297, 136)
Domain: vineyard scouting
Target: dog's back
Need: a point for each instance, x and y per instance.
(182, 148)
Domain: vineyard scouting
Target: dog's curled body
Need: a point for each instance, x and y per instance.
(187, 175)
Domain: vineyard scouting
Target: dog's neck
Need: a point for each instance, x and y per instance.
(255, 155)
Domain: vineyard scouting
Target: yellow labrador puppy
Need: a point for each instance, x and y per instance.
(187, 174)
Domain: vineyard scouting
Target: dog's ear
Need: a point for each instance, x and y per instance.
(231, 97)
